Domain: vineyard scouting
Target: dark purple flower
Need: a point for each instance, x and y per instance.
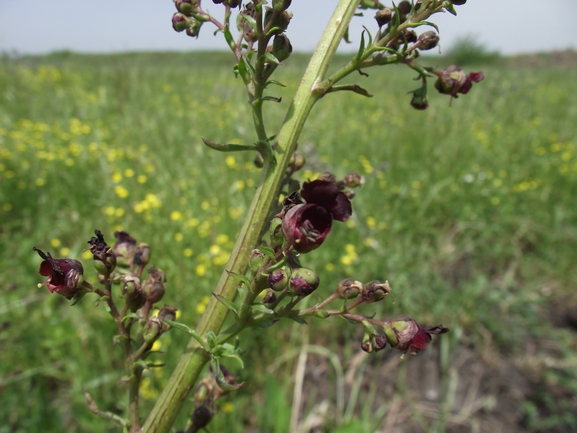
(407, 335)
(306, 226)
(65, 276)
(453, 80)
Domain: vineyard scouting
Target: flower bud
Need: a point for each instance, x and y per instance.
(327, 176)
(278, 279)
(132, 293)
(350, 194)
(404, 7)
(349, 288)
(153, 329)
(281, 47)
(428, 40)
(167, 312)
(154, 286)
(256, 261)
(194, 29)
(258, 161)
(180, 22)
(383, 16)
(354, 180)
(280, 21)
(375, 291)
(103, 255)
(298, 161)
(201, 417)
(458, 2)
(419, 100)
(303, 282)
(124, 249)
(187, 7)
(280, 5)
(142, 255)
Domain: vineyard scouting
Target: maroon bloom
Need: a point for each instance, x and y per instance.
(306, 225)
(407, 335)
(453, 80)
(64, 275)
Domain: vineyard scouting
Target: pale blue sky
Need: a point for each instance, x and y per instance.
(41, 26)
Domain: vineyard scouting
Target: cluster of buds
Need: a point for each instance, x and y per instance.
(190, 17)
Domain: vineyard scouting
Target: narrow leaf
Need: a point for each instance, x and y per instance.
(278, 83)
(262, 309)
(243, 279)
(228, 147)
(179, 326)
(299, 320)
(227, 303)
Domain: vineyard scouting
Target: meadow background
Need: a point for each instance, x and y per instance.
(468, 210)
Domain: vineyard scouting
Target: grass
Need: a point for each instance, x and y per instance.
(467, 210)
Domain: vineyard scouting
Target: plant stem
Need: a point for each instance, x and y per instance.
(194, 359)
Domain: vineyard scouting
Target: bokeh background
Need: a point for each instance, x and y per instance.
(468, 210)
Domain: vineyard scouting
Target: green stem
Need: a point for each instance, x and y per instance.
(194, 359)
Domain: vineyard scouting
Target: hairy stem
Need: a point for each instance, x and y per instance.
(194, 359)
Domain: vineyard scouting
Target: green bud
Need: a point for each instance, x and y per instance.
(281, 47)
(303, 282)
(180, 22)
(375, 291)
(280, 5)
(321, 314)
(132, 293)
(349, 288)
(278, 279)
(275, 233)
(256, 261)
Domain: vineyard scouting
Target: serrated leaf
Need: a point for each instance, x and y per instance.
(262, 309)
(228, 147)
(228, 304)
(243, 279)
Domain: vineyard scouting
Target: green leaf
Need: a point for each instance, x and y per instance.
(211, 340)
(262, 309)
(351, 88)
(179, 326)
(130, 316)
(361, 50)
(140, 363)
(228, 147)
(236, 358)
(299, 320)
(228, 304)
(278, 83)
(268, 98)
(267, 251)
(243, 279)
(425, 23)
(451, 9)
(155, 364)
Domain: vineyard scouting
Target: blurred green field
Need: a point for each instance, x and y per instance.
(469, 211)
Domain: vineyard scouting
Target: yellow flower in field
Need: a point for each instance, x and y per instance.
(178, 237)
(371, 222)
(192, 222)
(141, 178)
(55, 243)
(382, 225)
(129, 172)
(117, 177)
(40, 181)
(156, 346)
(227, 407)
(239, 185)
(187, 252)
(120, 191)
(175, 215)
(7, 207)
(495, 201)
(200, 270)
(205, 205)
(230, 161)
(119, 212)
(64, 252)
(350, 223)
(330, 267)
(86, 255)
(221, 239)
(153, 200)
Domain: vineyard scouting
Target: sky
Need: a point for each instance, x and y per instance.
(104, 26)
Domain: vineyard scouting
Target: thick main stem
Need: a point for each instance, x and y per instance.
(193, 360)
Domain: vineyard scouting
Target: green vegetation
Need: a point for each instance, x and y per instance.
(468, 211)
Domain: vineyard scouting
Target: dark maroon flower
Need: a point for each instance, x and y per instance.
(65, 276)
(407, 335)
(306, 226)
(453, 80)
(103, 255)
